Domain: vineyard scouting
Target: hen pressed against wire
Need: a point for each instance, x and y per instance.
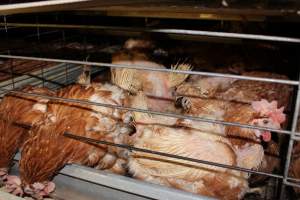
(18, 113)
(44, 154)
(48, 150)
(203, 141)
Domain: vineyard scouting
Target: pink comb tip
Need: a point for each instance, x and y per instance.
(270, 109)
(278, 115)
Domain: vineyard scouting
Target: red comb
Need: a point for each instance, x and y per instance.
(278, 115)
(269, 109)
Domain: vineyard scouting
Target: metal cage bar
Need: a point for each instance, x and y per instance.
(293, 134)
(138, 149)
(132, 148)
(149, 111)
(291, 142)
(165, 31)
(139, 67)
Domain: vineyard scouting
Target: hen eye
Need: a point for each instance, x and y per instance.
(185, 101)
(265, 121)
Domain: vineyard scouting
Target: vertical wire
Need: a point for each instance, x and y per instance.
(67, 73)
(12, 73)
(63, 37)
(6, 31)
(5, 22)
(37, 28)
(63, 31)
(291, 143)
(43, 77)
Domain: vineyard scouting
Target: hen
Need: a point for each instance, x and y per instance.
(244, 91)
(152, 134)
(41, 158)
(240, 91)
(17, 110)
(259, 113)
(246, 141)
(158, 86)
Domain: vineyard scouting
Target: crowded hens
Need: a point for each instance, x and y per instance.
(101, 123)
(18, 112)
(158, 86)
(211, 98)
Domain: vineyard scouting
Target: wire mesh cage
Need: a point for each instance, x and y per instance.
(59, 51)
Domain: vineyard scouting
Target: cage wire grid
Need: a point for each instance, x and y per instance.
(70, 65)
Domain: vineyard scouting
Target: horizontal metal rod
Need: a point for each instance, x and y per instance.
(37, 4)
(296, 137)
(291, 184)
(228, 35)
(293, 179)
(139, 67)
(132, 148)
(47, 5)
(166, 31)
(150, 112)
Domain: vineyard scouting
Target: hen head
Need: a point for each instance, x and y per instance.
(269, 117)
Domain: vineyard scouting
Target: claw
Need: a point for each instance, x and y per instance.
(3, 176)
(13, 185)
(40, 190)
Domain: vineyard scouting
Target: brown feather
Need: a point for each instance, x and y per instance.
(17, 110)
(45, 153)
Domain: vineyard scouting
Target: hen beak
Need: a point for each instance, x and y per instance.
(266, 136)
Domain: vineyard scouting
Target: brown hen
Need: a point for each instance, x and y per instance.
(158, 86)
(244, 91)
(45, 153)
(18, 112)
(241, 91)
(152, 134)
